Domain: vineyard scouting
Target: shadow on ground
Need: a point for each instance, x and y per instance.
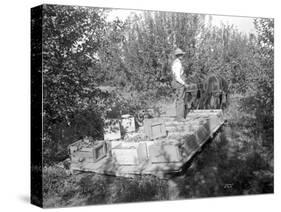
(234, 163)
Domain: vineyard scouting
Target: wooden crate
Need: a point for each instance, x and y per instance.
(112, 130)
(82, 155)
(128, 153)
(154, 128)
(125, 156)
(87, 152)
(74, 147)
(99, 151)
(128, 124)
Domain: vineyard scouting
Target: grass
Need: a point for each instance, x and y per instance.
(62, 190)
(237, 161)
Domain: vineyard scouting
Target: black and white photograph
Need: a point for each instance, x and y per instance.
(131, 105)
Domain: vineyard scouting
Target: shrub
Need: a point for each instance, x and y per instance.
(138, 189)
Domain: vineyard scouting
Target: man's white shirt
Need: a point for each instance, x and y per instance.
(178, 71)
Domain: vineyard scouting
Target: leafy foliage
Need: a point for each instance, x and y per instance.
(148, 50)
(71, 35)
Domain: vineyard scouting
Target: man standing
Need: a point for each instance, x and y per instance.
(179, 84)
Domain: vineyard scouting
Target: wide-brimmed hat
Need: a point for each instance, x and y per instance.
(178, 51)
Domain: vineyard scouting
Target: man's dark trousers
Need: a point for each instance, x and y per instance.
(180, 99)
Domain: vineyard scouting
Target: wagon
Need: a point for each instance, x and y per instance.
(162, 147)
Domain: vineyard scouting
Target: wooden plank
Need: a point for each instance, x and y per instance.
(154, 128)
(190, 144)
(213, 122)
(207, 112)
(86, 149)
(124, 156)
(142, 152)
(99, 151)
(80, 156)
(202, 134)
(180, 128)
(74, 146)
(163, 153)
